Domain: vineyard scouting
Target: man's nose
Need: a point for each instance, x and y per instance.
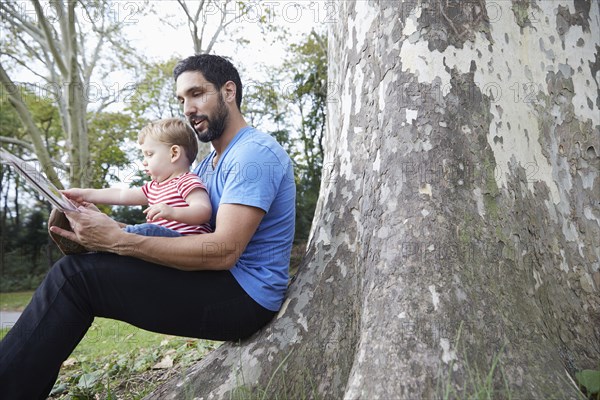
(188, 108)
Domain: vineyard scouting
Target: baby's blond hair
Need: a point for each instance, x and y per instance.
(172, 131)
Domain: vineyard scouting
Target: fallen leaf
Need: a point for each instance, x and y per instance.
(69, 362)
(166, 362)
(170, 351)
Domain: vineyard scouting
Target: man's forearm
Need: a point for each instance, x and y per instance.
(194, 252)
(217, 251)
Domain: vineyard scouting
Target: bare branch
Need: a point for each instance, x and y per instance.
(199, 10)
(24, 65)
(88, 69)
(55, 163)
(221, 27)
(105, 103)
(214, 39)
(192, 24)
(185, 10)
(31, 52)
(49, 38)
(102, 32)
(18, 142)
(16, 19)
(198, 41)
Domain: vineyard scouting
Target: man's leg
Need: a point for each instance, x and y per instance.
(204, 304)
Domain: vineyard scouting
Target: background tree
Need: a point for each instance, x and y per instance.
(308, 67)
(153, 96)
(26, 250)
(290, 104)
(211, 21)
(454, 252)
(114, 136)
(69, 41)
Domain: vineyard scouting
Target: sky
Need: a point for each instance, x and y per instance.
(160, 41)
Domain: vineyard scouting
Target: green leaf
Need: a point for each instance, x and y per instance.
(589, 379)
(88, 381)
(59, 389)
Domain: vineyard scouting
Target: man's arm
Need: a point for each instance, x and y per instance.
(220, 250)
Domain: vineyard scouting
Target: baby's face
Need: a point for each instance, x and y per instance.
(157, 159)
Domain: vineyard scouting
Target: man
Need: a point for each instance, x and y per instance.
(223, 285)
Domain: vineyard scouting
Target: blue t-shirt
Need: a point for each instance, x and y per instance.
(254, 170)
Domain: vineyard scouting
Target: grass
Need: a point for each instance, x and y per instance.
(130, 370)
(107, 336)
(14, 301)
(478, 384)
(301, 387)
(117, 360)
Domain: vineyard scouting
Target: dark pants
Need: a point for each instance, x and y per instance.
(202, 304)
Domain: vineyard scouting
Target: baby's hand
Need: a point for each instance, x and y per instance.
(75, 194)
(159, 211)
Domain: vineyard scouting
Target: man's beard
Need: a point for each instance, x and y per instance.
(215, 125)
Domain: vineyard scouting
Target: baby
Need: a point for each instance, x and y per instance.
(178, 203)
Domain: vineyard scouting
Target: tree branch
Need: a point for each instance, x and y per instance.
(222, 26)
(192, 25)
(26, 118)
(50, 42)
(87, 73)
(18, 142)
(55, 163)
(200, 8)
(185, 10)
(22, 64)
(18, 20)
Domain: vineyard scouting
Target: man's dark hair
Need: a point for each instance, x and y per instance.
(217, 70)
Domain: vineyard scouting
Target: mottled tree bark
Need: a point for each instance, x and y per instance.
(458, 223)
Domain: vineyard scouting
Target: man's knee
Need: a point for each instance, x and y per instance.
(71, 267)
(65, 267)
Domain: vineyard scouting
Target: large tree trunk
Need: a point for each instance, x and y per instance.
(457, 229)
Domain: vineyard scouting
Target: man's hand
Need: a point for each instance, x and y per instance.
(92, 229)
(159, 211)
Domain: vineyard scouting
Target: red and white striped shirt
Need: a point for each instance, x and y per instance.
(173, 193)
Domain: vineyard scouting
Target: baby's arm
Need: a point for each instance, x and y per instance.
(114, 196)
(197, 213)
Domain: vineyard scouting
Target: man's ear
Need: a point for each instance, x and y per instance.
(229, 92)
(175, 153)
